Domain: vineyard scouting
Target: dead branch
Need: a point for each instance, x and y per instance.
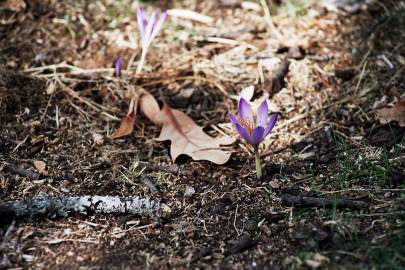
(21, 171)
(241, 244)
(304, 201)
(63, 206)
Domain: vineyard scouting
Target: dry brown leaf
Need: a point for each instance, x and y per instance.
(50, 89)
(396, 113)
(16, 5)
(188, 138)
(40, 166)
(150, 107)
(128, 121)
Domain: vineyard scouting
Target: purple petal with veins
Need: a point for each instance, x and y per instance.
(158, 26)
(244, 125)
(271, 124)
(244, 133)
(262, 115)
(142, 21)
(233, 119)
(257, 136)
(245, 111)
(148, 31)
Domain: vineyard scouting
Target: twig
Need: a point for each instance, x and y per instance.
(241, 244)
(61, 240)
(234, 221)
(269, 20)
(73, 69)
(75, 95)
(189, 14)
(21, 143)
(226, 41)
(365, 189)
(347, 98)
(184, 78)
(21, 171)
(150, 185)
(63, 206)
(304, 201)
(394, 213)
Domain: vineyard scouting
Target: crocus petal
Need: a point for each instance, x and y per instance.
(244, 133)
(117, 66)
(245, 111)
(149, 29)
(257, 136)
(233, 119)
(158, 26)
(271, 124)
(140, 17)
(262, 115)
(144, 17)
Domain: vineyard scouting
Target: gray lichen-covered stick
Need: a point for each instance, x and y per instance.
(63, 206)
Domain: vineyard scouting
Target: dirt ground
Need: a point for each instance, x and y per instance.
(59, 104)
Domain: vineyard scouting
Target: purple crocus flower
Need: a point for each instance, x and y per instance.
(148, 29)
(254, 132)
(117, 66)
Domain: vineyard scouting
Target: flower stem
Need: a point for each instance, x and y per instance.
(258, 163)
(141, 63)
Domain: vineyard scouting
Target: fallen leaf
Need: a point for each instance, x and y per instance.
(188, 138)
(396, 113)
(16, 5)
(50, 89)
(150, 107)
(40, 166)
(128, 121)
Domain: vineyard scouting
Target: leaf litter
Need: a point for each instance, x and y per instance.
(396, 113)
(322, 117)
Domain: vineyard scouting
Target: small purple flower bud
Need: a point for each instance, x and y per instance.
(117, 66)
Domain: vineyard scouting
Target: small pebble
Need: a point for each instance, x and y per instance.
(190, 191)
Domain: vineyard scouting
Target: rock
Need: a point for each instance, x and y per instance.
(189, 192)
